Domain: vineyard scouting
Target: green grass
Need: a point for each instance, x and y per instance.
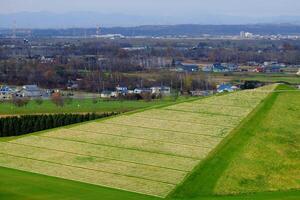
(206, 177)
(270, 78)
(19, 185)
(79, 106)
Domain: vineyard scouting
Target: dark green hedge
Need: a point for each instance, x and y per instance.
(14, 126)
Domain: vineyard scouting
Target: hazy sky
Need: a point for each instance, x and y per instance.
(158, 7)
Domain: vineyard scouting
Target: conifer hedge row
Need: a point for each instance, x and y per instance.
(14, 126)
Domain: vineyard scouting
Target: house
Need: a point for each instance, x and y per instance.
(122, 90)
(259, 70)
(231, 67)
(106, 94)
(273, 69)
(161, 90)
(141, 90)
(199, 93)
(218, 67)
(30, 91)
(187, 67)
(207, 69)
(224, 88)
(6, 92)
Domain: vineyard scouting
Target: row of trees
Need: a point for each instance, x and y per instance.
(15, 126)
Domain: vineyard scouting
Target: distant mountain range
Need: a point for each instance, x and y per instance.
(192, 30)
(92, 19)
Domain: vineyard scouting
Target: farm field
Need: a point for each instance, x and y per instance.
(261, 155)
(148, 152)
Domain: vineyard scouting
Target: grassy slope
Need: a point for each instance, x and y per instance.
(269, 161)
(78, 106)
(205, 177)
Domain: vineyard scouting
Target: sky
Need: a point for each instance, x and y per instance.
(157, 7)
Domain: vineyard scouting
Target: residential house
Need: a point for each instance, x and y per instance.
(122, 90)
(6, 92)
(141, 90)
(163, 90)
(106, 94)
(199, 93)
(273, 69)
(187, 67)
(225, 88)
(218, 67)
(31, 91)
(231, 67)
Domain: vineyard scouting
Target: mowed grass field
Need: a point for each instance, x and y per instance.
(148, 152)
(260, 155)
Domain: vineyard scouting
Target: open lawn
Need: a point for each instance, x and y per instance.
(260, 155)
(148, 152)
(78, 106)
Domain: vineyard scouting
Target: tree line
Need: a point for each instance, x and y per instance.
(20, 125)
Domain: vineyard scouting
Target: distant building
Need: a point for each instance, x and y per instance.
(218, 67)
(259, 70)
(198, 93)
(245, 35)
(273, 69)
(122, 90)
(141, 90)
(161, 90)
(106, 94)
(180, 67)
(225, 88)
(6, 92)
(30, 91)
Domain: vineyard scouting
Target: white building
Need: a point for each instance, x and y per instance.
(161, 90)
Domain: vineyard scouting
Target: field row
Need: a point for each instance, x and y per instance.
(147, 134)
(94, 163)
(126, 155)
(175, 126)
(196, 152)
